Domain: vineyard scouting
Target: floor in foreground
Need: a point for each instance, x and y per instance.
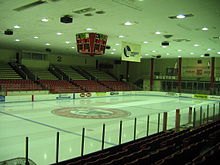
(41, 121)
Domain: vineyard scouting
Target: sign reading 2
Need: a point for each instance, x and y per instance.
(59, 58)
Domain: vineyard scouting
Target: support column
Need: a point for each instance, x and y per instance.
(151, 73)
(179, 74)
(164, 121)
(212, 75)
(127, 71)
(177, 123)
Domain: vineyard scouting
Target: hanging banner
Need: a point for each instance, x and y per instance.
(131, 52)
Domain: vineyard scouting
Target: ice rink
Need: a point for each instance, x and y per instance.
(41, 120)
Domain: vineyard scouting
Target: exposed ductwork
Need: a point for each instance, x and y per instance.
(33, 4)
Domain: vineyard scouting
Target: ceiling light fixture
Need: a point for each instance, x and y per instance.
(17, 40)
(17, 27)
(192, 53)
(205, 28)
(89, 29)
(128, 23)
(67, 42)
(47, 44)
(145, 42)
(196, 45)
(117, 44)
(36, 37)
(121, 36)
(44, 20)
(59, 33)
(180, 16)
(157, 32)
(179, 50)
(218, 52)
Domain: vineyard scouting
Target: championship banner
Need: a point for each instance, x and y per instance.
(131, 52)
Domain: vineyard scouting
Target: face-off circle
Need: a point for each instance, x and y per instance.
(90, 112)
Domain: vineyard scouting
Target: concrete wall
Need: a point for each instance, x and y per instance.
(191, 69)
(7, 55)
(72, 60)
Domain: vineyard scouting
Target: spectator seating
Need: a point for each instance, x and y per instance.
(6, 72)
(91, 85)
(69, 71)
(186, 147)
(18, 85)
(98, 74)
(43, 74)
(60, 86)
(117, 85)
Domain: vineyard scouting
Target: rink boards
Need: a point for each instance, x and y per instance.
(32, 98)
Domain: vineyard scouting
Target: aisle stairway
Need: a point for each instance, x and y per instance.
(6, 72)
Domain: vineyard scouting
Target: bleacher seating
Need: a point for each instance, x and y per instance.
(43, 74)
(117, 85)
(91, 85)
(98, 74)
(189, 146)
(60, 86)
(78, 82)
(18, 85)
(6, 72)
(69, 71)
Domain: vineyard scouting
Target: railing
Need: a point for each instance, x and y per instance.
(84, 73)
(202, 87)
(18, 69)
(77, 142)
(29, 74)
(57, 73)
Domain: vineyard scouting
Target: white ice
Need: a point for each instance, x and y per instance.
(35, 120)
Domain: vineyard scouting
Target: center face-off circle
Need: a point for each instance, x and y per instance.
(91, 112)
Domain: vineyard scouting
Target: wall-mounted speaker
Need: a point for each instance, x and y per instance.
(66, 19)
(8, 32)
(159, 56)
(165, 43)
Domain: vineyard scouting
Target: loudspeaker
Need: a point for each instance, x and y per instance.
(48, 50)
(159, 56)
(8, 32)
(165, 43)
(108, 47)
(66, 19)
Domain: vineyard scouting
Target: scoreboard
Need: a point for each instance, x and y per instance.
(91, 43)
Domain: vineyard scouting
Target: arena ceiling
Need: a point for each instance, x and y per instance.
(36, 25)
